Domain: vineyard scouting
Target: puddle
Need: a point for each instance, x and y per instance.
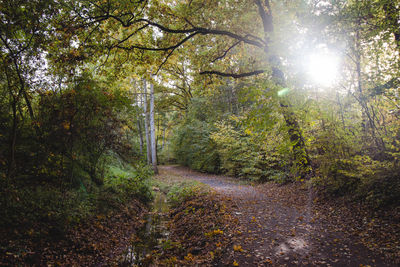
(150, 236)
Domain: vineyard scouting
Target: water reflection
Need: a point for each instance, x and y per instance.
(150, 236)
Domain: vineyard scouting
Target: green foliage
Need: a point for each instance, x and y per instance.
(228, 147)
(49, 205)
(182, 191)
(249, 146)
(376, 182)
(79, 124)
(191, 144)
(194, 148)
(67, 142)
(349, 160)
(166, 155)
(244, 154)
(128, 181)
(73, 159)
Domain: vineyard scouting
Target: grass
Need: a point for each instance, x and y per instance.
(177, 188)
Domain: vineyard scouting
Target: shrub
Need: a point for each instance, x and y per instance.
(127, 181)
(248, 155)
(375, 182)
(193, 146)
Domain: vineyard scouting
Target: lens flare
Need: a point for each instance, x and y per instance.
(323, 68)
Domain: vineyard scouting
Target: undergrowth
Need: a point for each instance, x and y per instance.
(58, 206)
(182, 191)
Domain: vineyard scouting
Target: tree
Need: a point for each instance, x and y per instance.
(369, 29)
(192, 25)
(153, 131)
(23, 34)
(146, 123)
(139, 100)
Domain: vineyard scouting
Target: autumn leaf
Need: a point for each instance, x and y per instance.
(237, 248)
(66, 125)
(189, 257)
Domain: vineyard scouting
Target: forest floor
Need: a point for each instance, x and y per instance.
(227, 222)
(98, 241)
(286, 225)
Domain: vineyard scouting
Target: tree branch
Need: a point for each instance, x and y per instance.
(203, 31)
(158, 48)
(226, 52)
(266, 16)
(164, 61)
(378, 90)
(233, 75)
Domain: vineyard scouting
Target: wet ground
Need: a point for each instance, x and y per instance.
(150, 237)
(281, 227)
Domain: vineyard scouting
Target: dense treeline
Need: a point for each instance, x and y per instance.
(350, 128)
(346, 160)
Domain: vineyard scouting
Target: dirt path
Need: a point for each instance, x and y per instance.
(279, 226)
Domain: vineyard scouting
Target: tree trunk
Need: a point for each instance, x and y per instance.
(139, 122)
(300, 155)
(13, 141)
(299, 152)
(146, 123)
(163, 138)
(140, 135)
(153, 131)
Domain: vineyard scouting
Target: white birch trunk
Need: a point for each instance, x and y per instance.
(139, 100)
(153, 131)
(146, 122)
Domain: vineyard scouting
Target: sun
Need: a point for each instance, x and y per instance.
(323, 68)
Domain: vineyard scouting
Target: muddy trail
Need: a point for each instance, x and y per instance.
(280, 226)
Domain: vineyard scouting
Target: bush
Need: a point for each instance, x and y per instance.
(128, 181)
(193, 146)
(248, 155)
(58, 209)
(229, 147)
(375, 182)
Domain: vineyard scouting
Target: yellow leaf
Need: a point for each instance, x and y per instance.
(237, 248)
(189, 257)
(235, 263)
(66, 125)
(268, 261)
(218, 232)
